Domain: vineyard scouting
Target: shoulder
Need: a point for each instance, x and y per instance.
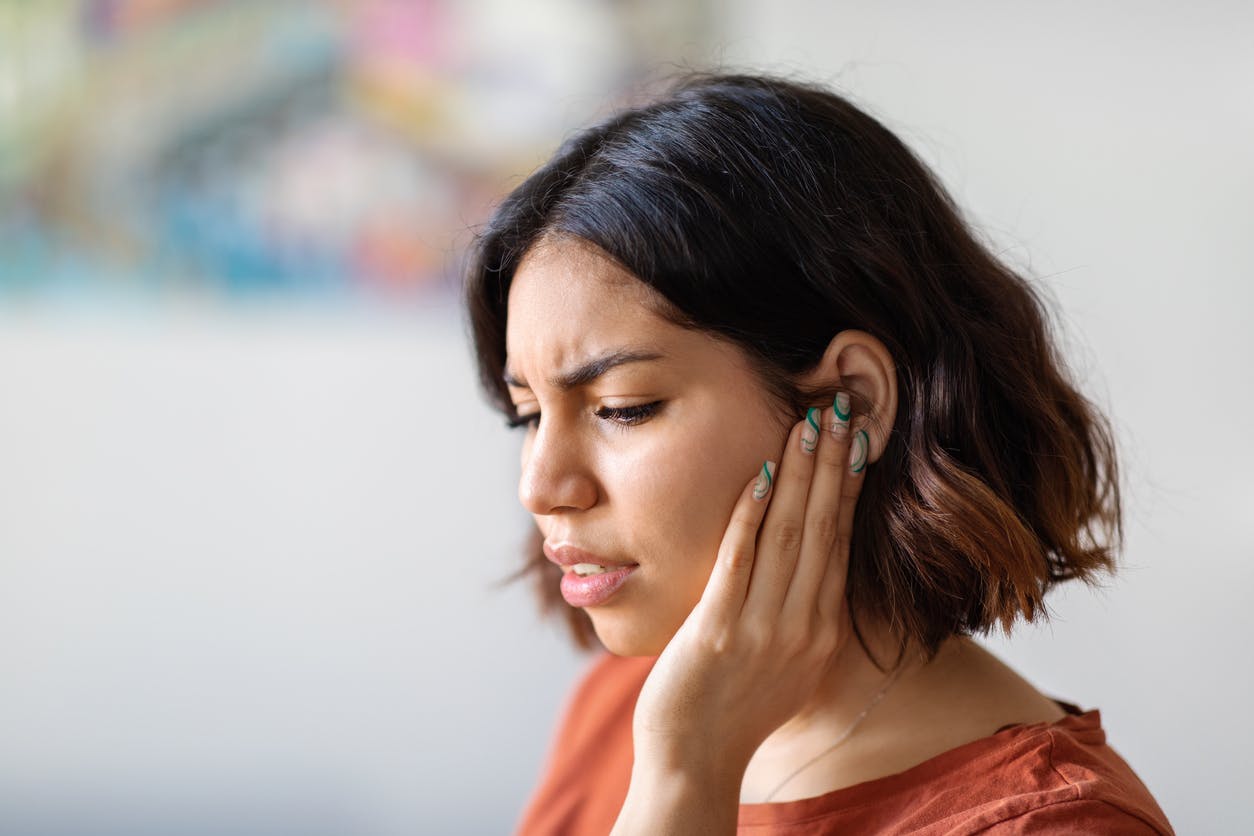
(1059, 777)
(1067, 778)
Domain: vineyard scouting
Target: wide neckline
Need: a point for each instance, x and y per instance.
(771, 812)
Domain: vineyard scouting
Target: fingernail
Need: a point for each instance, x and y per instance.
(810, 432)
(858, 451)
(765, 478)
(840, 406)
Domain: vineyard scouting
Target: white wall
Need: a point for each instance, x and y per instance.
(245, 558)
(1107, 148)
(245, 568)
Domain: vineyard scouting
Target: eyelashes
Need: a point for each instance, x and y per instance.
(523, 421)
(623, 416)
(628, 416)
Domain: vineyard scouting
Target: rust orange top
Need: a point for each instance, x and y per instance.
(1057, 777)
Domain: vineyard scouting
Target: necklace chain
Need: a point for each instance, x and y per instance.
(843, 737)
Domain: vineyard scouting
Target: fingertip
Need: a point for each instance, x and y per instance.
(859, 452)
(839, 416)
(810, 429)
(764, 481)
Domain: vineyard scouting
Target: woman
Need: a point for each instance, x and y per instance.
(792, 437)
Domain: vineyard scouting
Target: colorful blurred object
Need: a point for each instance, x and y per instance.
(236, 148)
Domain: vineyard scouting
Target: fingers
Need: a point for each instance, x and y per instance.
(828, 527)
(831, 590)
(806, 531)
(724, 594)
(785, 554)
(780, 539)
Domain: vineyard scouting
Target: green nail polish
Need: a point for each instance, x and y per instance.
(810, 432)
(858, 451)
(841, 406)
(763, 486)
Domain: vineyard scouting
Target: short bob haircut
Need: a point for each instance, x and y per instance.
(773, 214)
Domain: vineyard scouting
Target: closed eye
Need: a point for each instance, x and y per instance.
(629, 415)
(523, 421)
(623, 415)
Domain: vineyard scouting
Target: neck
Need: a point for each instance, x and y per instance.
(851, 682)
(853, 678)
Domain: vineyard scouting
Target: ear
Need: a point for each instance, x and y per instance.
(858, 361)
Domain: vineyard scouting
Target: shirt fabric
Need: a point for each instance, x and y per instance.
(1054, 778)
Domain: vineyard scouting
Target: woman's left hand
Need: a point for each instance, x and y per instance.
(772, 617)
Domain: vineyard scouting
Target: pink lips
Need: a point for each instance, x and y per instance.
(592, 590)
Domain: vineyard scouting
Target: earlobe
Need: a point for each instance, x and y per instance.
(858, 362)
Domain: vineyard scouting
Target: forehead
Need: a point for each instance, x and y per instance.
(568, 300)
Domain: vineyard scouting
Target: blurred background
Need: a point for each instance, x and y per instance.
(253, 511)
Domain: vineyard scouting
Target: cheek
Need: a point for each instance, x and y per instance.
(684, 485)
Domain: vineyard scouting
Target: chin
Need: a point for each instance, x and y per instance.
(625, 636)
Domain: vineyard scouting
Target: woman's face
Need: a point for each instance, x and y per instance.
(652, 485)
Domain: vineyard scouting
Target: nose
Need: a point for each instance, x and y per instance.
(555, 473)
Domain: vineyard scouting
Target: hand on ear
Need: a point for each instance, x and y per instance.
(859, 363)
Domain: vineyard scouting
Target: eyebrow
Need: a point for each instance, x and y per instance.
(589, 371)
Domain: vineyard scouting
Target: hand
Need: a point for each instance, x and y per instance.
(772, 617)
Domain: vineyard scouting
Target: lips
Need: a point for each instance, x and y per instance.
(567, 555)
(588, 580)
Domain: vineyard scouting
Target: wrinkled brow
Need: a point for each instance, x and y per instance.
(588, 371)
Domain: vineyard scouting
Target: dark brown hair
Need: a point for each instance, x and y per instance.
(774, 214)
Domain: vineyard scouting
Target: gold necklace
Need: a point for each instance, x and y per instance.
(843, 737)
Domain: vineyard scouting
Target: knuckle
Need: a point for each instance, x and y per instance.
(739, 560)
(825, 642)
(848, 500)
(787, 535)
(835, 454)
(826, 525)
(721, 643)
(792, 639)
(756, 636)
(746, 518)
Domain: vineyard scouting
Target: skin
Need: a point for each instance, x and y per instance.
(658, 493)
(741, 599)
